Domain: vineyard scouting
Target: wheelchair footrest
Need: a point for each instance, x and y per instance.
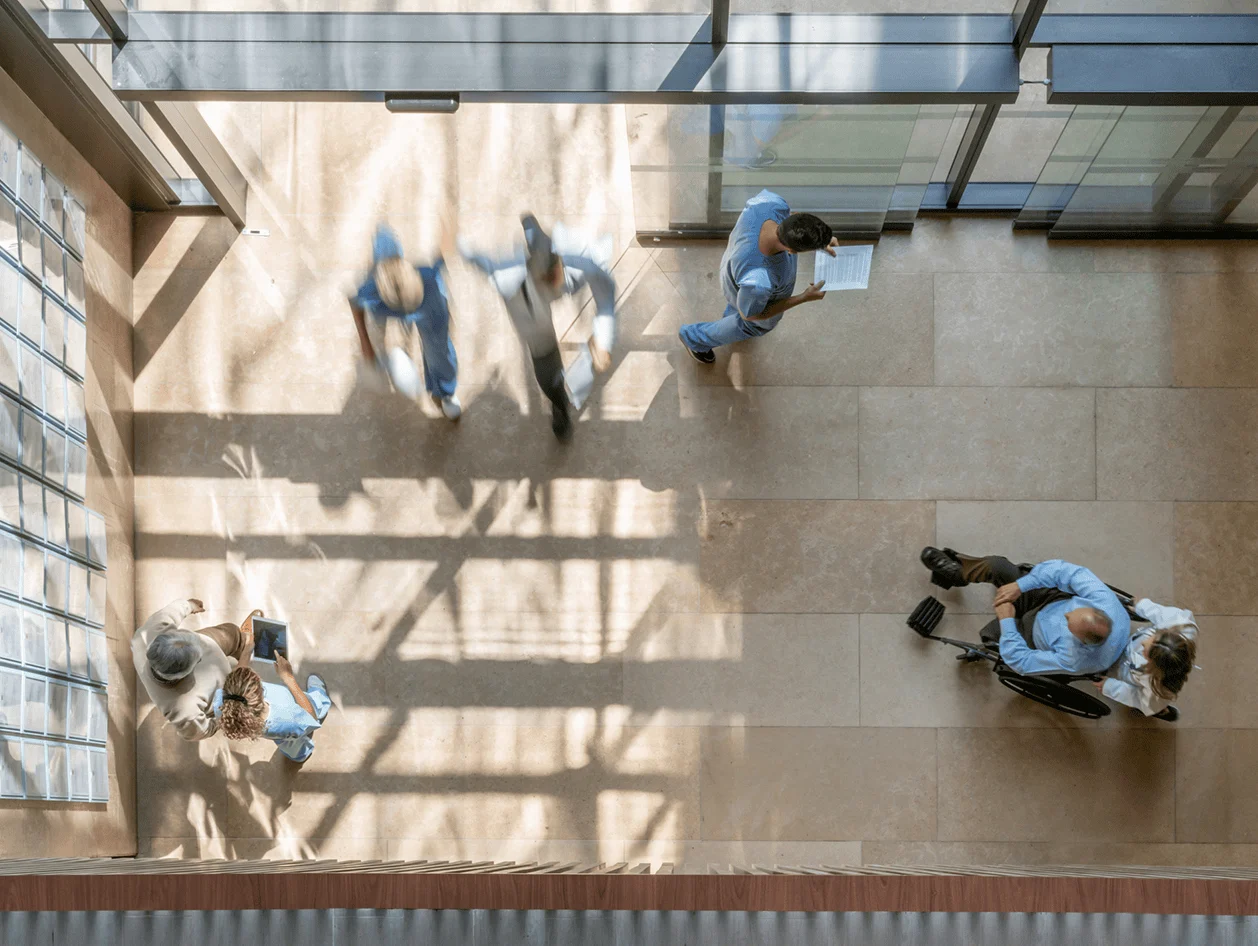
(926, 616)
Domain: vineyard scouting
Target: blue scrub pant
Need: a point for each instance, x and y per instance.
(441, 365)
(732, 327)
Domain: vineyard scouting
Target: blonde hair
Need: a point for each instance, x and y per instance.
(244, 707)
(1171, 657)
(398, 284)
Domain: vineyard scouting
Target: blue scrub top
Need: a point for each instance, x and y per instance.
(750, 279)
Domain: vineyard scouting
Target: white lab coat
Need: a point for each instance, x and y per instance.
(1135, 689)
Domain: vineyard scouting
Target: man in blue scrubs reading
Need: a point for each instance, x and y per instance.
(758, 274)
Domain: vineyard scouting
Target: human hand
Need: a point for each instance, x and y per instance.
(1004, 611)
(602, 360)
(283, 668)
(198, 606)
(1099, 684)
(815, 292)
(1007, 594)
(834, 241)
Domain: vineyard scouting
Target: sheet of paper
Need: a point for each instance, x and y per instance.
(848, 268)
(579, 377)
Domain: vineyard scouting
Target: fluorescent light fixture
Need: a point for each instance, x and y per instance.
(405, 102)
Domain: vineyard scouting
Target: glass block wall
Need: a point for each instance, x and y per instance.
(53, 654)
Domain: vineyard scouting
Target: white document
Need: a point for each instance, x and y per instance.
(579, 377)
(848, 268)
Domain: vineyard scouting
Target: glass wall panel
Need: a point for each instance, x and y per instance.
(1148, 167)
(1024, 133)
(696, 166)
(1152, 6)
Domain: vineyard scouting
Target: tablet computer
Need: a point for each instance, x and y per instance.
(270, 637)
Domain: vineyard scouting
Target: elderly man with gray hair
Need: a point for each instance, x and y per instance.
(181, 670)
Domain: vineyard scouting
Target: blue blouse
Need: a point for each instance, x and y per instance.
(286, 723)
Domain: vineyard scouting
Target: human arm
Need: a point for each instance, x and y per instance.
(360, 322)
(1162, 616)
(284, 670)
(1137, 697)
(1072, 579)
(196, 728)
(811, 294)
(170, 617)
(603, 288)
(1015, 652)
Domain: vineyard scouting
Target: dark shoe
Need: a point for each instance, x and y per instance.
(703, 357)
(1170, 714)
(945, 570)
(561, 424)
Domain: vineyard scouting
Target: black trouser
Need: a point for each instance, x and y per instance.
(998, 570)
(549, 371)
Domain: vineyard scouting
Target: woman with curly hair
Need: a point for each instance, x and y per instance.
(247, 708)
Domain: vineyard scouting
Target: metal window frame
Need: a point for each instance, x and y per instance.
(718, 58)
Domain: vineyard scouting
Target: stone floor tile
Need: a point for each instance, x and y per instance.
(772, 670)
(1216, 557)
(1214, 797)
(1214, 329)
(1056, 785)
(763, 784)
(820, 557)
(1220, 695)
(976, 443)
(881, 335)
(958, 245)
(1191, 444)
(1175, 256)
(1026, 330)
(908, 681)
(1129, 545)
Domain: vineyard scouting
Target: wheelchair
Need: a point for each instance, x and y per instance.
(1054, 690)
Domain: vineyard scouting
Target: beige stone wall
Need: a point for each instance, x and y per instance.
(44, 829)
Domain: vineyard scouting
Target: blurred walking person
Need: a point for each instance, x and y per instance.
(533, 278)
(417, 298)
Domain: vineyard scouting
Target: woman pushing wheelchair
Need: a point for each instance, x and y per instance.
(1059, 618)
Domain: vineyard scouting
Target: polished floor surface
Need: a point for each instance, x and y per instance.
(682, 637)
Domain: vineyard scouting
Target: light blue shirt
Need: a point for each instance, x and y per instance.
(287, 724)
(751, 281)
(1056, 649)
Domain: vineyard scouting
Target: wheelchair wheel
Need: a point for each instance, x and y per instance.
(1059, 696)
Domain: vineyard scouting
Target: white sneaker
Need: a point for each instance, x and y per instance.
(451, 407)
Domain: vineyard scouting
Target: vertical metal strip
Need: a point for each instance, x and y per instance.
(716, 162)
(968, 152)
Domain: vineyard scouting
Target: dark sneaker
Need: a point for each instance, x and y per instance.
(1170, 714)
(561, 424)
(703, 357)
(945, 571)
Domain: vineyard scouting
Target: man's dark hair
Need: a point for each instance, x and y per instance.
(803, 232)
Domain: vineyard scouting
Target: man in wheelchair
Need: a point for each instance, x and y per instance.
(1055, 618)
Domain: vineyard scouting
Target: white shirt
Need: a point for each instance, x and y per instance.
(1136, 689)
(188, 704)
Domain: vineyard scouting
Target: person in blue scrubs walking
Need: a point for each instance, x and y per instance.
(396, 289)
(758, 274)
